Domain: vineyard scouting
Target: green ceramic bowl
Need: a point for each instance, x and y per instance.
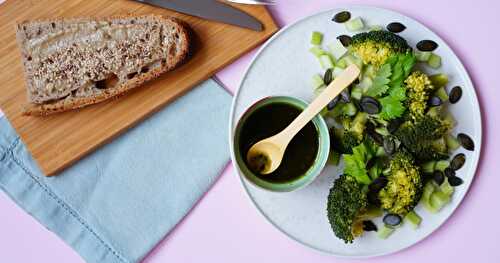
(311, 173)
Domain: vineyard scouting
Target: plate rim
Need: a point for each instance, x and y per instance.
(463, 72)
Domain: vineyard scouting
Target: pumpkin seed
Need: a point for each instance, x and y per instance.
(368, 225)
(458, 161)
(345, 96)
(378, 183)
(332, 103)
(327, 77)
(455, 94)
(434, 101)
(389, 145)
(465, 141)
(345, 40)
(396, 27)
(394, 125)
(455, 181)
(376, 137)
(449, 172)
(427, 45)
(370, 105)
(392, 219)
(438, 177)
(342, 17)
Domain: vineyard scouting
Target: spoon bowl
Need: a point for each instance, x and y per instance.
(263, 156)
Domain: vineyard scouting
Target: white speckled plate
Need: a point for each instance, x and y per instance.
(284, 66)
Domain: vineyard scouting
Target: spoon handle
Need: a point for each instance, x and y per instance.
(330, 92)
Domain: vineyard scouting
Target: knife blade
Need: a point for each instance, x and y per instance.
(211, 10)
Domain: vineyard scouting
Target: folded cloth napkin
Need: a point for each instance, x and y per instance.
(116, 204)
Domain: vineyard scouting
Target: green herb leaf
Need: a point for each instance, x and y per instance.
(392, 108)
(379, 85)
(355, 163)
(408, 63)
(401, 68)
(398, 93)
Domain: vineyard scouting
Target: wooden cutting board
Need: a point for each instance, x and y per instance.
(58, 141)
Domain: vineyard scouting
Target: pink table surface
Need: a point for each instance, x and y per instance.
(225, 227)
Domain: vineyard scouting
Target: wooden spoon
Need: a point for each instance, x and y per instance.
(266, 155)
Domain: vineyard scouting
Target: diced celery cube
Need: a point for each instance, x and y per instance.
(413, 218)
(351, 59)
(452, 142)
(350, 109)
(385, 231)
(316, 38)
(337, 49)
(355, 24)
(439, 80)
(434, 61)
(441, 165)
(422, 56)
(317, 51)
(441, 93)
(326, 61)
(428, 167)
(446, 187)
(429, 188)
(356, 92)
(365, 83)
(376, 28)
(439, 199)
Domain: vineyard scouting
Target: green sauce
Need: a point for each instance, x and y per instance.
(270, 120)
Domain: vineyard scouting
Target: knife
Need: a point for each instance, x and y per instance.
(211, 10)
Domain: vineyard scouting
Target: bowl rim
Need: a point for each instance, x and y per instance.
(313, 171)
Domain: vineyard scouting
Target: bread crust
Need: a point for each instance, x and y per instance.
(70, 103)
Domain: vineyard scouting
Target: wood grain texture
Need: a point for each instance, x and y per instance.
(58, 141)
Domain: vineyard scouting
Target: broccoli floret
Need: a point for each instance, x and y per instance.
(424, 138)
(375, 47)
(418, 88)
(351, 136)
(344, 140)
(404, 187)
(346, 204)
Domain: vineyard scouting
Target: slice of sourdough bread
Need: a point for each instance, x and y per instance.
(72, 63)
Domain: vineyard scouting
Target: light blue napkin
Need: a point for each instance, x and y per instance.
(116, 204)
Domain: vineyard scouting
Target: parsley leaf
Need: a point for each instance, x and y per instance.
(379, 85)
(355, 163)
(398, 93)
(392, 108)
(392, 104)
